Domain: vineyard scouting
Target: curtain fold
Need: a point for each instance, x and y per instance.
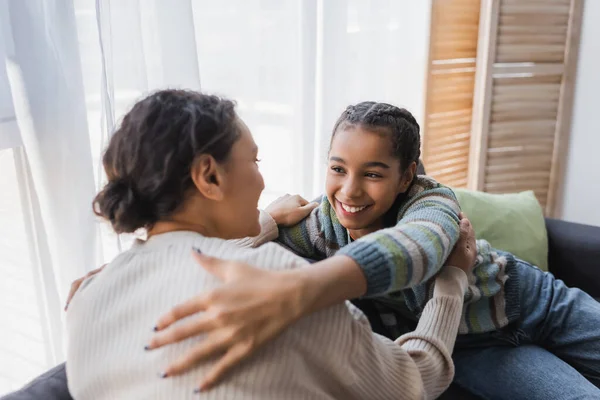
(45, 78)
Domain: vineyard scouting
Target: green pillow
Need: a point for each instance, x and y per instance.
(512, 222)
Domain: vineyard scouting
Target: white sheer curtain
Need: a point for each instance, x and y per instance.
(73, 67)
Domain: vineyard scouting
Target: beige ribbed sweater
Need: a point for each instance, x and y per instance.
(331, 354)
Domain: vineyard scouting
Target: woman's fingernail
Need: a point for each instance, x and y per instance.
(163, 375)
(197, 250)
(197, 390)
(155, 329)
(146, 347)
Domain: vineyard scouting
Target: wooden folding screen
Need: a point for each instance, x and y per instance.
(450, 85)
(522, 99)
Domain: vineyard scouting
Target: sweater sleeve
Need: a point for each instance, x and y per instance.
(310, 237)
(431, 344)
(415, 249)
(418, 364)
(268, 232)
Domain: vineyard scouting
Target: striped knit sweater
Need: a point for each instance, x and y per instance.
(331, 354)
(399, 262)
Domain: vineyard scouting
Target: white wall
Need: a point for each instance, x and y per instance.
(581, 197)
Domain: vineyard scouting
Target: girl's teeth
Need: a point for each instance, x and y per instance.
(352, 209)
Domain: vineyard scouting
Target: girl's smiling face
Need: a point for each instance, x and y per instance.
(364, 178)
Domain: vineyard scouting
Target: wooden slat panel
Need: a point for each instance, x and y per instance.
(450, 121)
(516, 38)
(538, 2)
(450, 87)
(525, 8)
(450, 146)
(509, 93)
(515, 142)
(508, 53)
(527, 95)
(452, 52)
(533, 19)
(437, 160)
(518, 185)
(529, 29)
(535, 108)
(523, 150)
(539, 127)
(458, 137)
(518, 176)
(518, 80)
(531, 105)
(452, 179)
(521, 115)
(442, 107)
(445, 133)
(447, 162)
(517, 165)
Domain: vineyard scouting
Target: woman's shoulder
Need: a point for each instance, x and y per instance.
(273, 256)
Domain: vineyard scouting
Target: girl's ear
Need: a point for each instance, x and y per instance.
(407, 177)
(208, 177)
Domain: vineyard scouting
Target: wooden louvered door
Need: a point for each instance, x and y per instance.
(450, 85)
(523, 96)
(499, 94)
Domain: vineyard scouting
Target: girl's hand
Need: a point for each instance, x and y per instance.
(288, 210)
(251, 308)
(76, 283)
(464, 254)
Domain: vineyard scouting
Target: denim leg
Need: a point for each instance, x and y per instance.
(563, 320)
(524, 372)
(553, 352)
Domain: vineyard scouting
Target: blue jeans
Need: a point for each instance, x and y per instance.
(552, 352)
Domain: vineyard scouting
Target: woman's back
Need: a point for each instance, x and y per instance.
(112, 316)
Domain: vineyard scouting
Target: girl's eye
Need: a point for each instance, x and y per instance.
(372, 175)
(337, 169)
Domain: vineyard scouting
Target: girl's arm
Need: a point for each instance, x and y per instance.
(418, 364)
(415, 249)
(391, 259)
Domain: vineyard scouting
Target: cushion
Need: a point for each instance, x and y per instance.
(512, 222)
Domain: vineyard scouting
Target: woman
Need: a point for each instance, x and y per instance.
(183, 166)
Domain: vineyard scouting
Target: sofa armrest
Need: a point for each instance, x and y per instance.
(574, 254)
(51, 385)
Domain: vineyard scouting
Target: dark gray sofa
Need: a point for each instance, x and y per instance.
(573, 257)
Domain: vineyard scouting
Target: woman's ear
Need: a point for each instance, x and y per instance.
(408, 176)
(207, 176)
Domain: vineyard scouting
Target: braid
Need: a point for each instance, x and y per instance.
(398, 122)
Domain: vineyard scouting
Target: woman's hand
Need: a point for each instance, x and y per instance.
(288, 210)
(251, 308)
(76, 283)
(464, 254)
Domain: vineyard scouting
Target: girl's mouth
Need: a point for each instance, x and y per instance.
(352, 210)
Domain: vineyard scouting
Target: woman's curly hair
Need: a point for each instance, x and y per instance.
(149, 157)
